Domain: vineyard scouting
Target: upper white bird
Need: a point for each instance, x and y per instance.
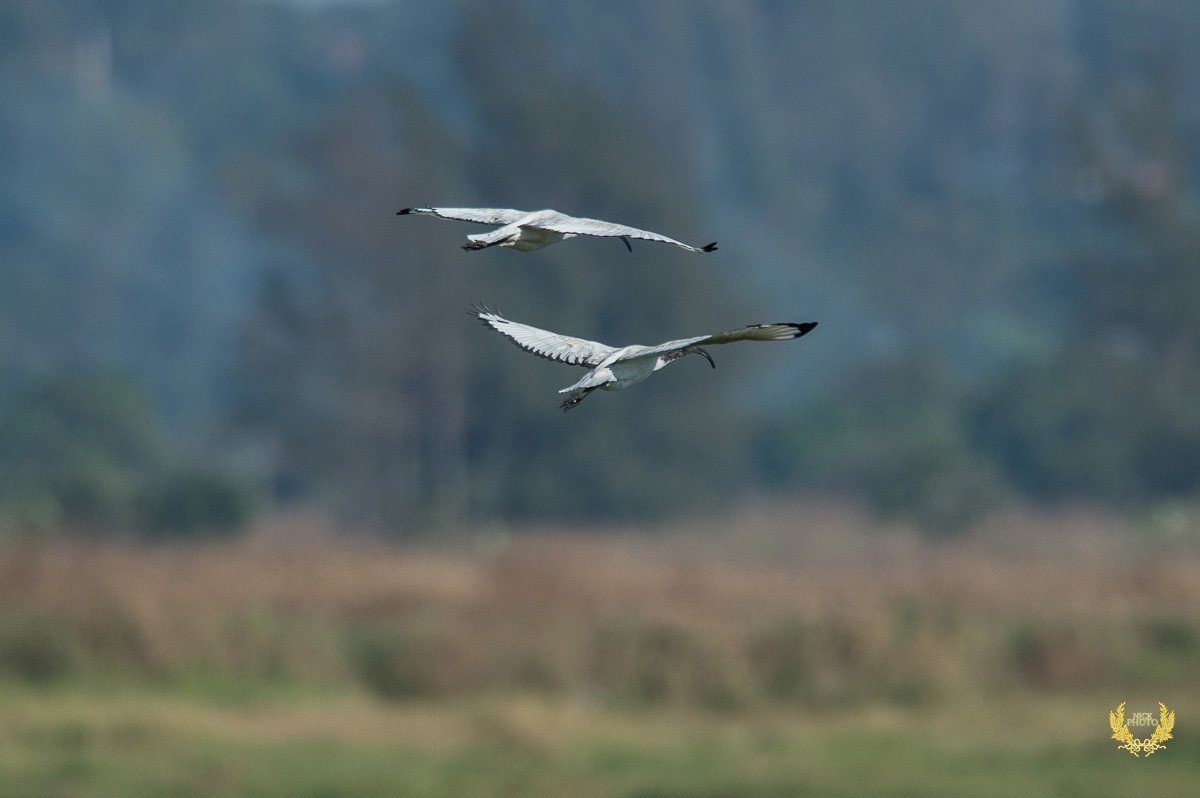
(614, 368)
(526, 230)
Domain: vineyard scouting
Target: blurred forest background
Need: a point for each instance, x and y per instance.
(922, 551)
(209, 305)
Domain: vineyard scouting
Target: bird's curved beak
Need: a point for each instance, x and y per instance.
(707, 356)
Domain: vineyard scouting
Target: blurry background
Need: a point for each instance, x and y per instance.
(214, 329)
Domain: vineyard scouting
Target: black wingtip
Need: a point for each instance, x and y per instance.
(709, 248)
(479, 310)
(403, 211)
(806, 328)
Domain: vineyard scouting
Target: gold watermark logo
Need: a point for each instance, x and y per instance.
(1162, 729)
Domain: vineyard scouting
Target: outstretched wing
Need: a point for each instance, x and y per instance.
(552, 346)
(561, 223)
(755, 332)
(481, 215)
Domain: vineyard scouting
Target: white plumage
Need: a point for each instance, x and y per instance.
(526, 230)
(613, 368)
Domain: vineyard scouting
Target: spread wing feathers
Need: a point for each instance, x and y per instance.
(755, 332)
(552, 220)
(481, 215)
(561, 223)
(552, 346)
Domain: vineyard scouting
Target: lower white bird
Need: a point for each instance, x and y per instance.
(614, 368)
(526, 230)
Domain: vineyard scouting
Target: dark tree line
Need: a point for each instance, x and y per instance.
(378, 393)
(1110, 413)
(201, 197)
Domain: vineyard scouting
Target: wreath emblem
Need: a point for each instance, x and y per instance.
(1121, 733)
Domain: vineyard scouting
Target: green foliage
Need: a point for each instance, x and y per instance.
(1108, 414)
(1052, 655)
(387, 403)
(85, 452)
(904, 181)
(895, 435)
(197, 503)
(1057, 436)
(645, 664)
(1114, 415)
(396, 663)
(941, 486)
(73, 449)
(1178, 636)
(35, 649)
(783, 655)
(126, 745)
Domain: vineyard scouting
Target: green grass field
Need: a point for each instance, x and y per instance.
(794, 653)
(71, 742)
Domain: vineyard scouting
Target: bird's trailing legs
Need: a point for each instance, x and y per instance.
(691, 350)
(576, 398)
(474, 244)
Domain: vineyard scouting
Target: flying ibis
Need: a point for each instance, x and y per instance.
(612, 368)
(526, 230)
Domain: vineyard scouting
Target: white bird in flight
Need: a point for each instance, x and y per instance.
(614, 368)
(526, 230)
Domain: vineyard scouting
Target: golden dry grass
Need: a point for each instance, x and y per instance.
(781, 651)
(802, 604)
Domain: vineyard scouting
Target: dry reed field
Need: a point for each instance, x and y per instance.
(545, 644)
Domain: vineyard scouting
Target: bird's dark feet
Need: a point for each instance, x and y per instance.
(575, 399)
